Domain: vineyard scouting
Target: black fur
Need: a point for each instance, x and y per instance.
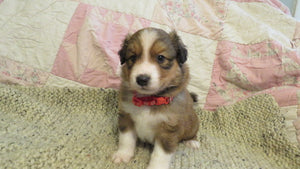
(122, 51)
(194, 97)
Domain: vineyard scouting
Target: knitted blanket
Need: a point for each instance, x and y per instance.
(77, 128)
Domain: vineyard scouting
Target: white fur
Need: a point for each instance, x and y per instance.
(147, 39)
(192, 144)
(159, 158)
(127, 143)
(144, 121)
(145, 67)
(149, 69)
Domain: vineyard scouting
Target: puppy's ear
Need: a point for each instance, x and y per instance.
(179, 47)
(122, 51)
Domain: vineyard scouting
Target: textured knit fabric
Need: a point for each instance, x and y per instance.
(77, 128)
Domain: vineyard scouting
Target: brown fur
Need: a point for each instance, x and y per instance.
(125, 122)
(182, 123)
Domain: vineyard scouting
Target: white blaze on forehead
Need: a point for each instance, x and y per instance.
(147, 38)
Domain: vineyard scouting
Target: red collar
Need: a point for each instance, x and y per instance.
(151, 100)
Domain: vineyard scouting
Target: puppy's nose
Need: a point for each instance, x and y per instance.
(142, 80)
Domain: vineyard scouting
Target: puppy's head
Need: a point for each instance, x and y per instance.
(153, 61)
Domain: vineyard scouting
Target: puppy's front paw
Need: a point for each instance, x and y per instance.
(157, 167)
(192, 144)
(121, 156)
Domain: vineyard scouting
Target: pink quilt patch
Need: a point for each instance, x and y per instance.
(88, 53)
(241, 71)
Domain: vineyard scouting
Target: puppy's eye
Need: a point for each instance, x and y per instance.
(160, 58)
(132, 58)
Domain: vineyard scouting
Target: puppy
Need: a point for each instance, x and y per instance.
(155, 105)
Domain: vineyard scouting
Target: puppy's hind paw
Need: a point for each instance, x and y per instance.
(192, 144)
(121, 157)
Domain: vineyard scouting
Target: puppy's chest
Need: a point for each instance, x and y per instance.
(145, 122)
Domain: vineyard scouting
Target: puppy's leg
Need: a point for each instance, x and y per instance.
(160, 158)
(165, 145)
(127, 140)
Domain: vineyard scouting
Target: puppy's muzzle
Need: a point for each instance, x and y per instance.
(143, 80)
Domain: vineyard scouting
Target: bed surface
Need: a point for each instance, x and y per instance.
(237, 49)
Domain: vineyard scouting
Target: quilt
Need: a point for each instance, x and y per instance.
(237, 48)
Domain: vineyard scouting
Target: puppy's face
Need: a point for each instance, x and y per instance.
(152, 61)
